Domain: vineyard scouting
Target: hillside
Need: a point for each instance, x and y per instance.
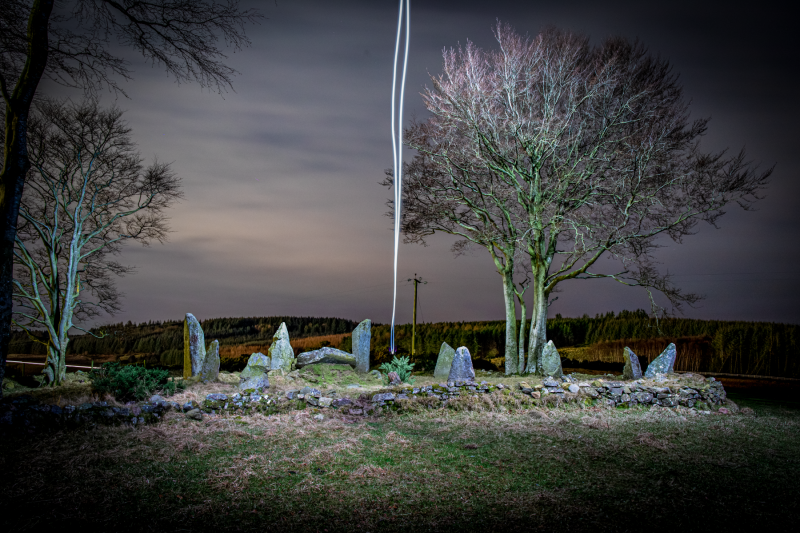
(758, 348)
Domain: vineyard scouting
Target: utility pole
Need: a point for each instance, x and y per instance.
(414, 327)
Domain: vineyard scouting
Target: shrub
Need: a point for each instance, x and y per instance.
(401, 366)
(132, 382)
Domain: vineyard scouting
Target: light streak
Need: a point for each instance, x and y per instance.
(397, 148)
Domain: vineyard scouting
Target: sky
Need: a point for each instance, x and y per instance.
(284, 214)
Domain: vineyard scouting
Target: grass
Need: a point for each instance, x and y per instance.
(566, 469)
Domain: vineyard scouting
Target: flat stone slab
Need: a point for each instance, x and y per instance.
(326, 355)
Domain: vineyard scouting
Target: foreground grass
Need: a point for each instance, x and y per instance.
(562, 470)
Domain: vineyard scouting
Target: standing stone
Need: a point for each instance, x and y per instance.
(281, 352)
(632, 368)
(663, 364)
(461, 369)
(254, 375)
(194, 346)
(444, 362)
(210, 369)
(361, 338)
(551, 361)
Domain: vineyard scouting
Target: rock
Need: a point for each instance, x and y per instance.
(210, 369)
(574, 388)
(194, 346)
(461, 369)
(394, 378)
(341, 402)
(361, 339)
(383, 397)
(376, 374)
(280, 352)
(326, 355)
(308, 391)
(254, 375)
(663, 364)
(632, 368)
(217, 397)
(325, 402)
(319, 417)
(549, 382)
(194, 414)
(156, 398)
(444, 361)
(551, 361)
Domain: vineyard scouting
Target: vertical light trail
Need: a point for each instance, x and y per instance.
(397, 148)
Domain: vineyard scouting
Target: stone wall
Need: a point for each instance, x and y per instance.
(688, 392)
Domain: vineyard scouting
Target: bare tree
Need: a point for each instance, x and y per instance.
(466, 202)
(88, 193)
(594, 146)
(71, 43)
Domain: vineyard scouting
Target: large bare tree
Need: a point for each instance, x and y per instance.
(73, 43)
(87, 193)
(582, 151)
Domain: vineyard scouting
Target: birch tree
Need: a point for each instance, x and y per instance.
(88, 192)
(77, 43)
(592, 151)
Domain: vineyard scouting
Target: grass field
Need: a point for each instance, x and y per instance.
(550, 470)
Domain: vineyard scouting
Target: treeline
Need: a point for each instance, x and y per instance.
(737, 347)
(757, 348)
(159, 337)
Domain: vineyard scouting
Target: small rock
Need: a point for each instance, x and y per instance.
(217, 397)
(394, 378)
(194, 414)
(573, 388)
(325, 402)
(156, 398)
(353, 386)
(319, 417)
(383, 397)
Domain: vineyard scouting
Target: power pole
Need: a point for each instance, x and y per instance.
(414, 327)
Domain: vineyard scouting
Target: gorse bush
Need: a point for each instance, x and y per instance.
(401, 366)
(132, 382)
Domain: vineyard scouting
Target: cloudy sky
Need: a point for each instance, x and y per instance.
(284, 214)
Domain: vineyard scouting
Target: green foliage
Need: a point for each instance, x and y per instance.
(132, 382)
(400, 365)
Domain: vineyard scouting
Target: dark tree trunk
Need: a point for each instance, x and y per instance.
(15, 161)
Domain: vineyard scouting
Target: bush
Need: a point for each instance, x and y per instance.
(132, 382)
(401, 366)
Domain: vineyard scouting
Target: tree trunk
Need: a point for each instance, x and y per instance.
(538, 334)
(16, 164)
(521, 343)
(511, 321)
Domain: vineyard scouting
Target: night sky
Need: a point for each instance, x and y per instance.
(284, 214)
